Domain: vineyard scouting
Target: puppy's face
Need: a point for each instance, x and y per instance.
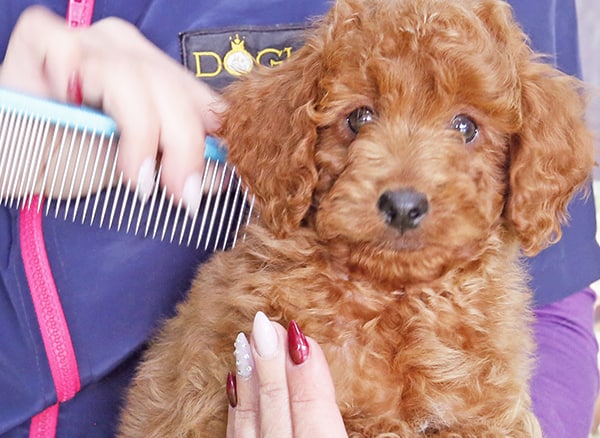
(414, 154)
(400, 132)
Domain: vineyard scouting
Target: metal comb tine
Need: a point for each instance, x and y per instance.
(90, 189)
(30, 161)
(18, 164)
(235, 202)
(24, 160)
(7, 150)
(214, 210)
(208, 202)
(117, 193)
(19, 159)
(186, 219)
(167, 216)
(197, 212)
(29, 189)
(47, 171)
(63, 182)
(86, 164)
(124, 203)
(7, 116)
(159, 211)
(102, 175)
(5, 121)
(210, 205)
(239, 218)
(250, 213)
(152, 202)
(225, 204)
(175, 221)
(76, 170)
(17, 140)
(115, 202)
(11, 151)
(57, 168)
(193, 226)
(38, 164)
(203, 188)
(223, 189)
(134, 201)
(251, 208)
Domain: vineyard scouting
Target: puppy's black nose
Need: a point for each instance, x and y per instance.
(403, 209)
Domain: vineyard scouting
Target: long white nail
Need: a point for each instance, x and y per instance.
(243, 356)
(146, 179)
(265, 336)
(192, 193)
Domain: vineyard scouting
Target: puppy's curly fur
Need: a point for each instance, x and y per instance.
(426, 325)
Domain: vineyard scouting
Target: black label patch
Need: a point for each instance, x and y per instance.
(218, 56)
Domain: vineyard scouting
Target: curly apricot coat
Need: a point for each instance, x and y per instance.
(425, 321)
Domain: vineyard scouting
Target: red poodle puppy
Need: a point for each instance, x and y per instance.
(401, 161)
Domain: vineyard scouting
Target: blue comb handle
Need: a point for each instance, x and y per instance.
(82, 117)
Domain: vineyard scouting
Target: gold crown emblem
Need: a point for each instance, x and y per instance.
(237, 43)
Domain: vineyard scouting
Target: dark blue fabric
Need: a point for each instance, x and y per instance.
(115, 288)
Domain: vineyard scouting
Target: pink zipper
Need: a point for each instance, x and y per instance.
(80, 13)
(51, 319)
(46, 301)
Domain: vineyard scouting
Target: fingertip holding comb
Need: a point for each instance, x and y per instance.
(85, 144)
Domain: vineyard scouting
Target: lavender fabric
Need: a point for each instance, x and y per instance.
(566, 382)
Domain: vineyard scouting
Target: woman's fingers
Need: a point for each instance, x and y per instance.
(268, 340)
(162, 111)
(289, 392)
(312, 400)
(244, 418)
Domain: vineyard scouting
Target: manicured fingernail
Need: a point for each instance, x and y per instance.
(297, 344)
(265, 336)
(231, 390)
(192, 193)
(146, 179)
(74, 93)
(243, 356)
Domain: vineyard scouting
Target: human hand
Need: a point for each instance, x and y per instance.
(283, 386)
(159, 107)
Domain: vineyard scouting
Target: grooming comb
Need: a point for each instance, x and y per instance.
(83, 183)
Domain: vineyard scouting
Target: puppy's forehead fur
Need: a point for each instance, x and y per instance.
(412, 52)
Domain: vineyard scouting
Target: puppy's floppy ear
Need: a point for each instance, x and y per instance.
(551, 156)
(271, 136)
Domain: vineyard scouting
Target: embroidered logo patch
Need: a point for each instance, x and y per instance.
(218, 56)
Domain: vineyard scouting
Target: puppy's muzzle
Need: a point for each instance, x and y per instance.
(403, 209)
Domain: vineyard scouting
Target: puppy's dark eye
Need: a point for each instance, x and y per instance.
(466, 126)
(359, 117)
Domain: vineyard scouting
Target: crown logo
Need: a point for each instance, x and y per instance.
(238, 60)
(237, 44)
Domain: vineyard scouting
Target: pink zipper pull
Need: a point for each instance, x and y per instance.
(80, 13)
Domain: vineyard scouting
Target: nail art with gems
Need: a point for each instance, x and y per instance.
(243, 356)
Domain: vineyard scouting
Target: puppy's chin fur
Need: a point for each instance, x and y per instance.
(427, 331)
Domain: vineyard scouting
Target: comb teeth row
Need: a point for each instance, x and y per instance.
(84, 185)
